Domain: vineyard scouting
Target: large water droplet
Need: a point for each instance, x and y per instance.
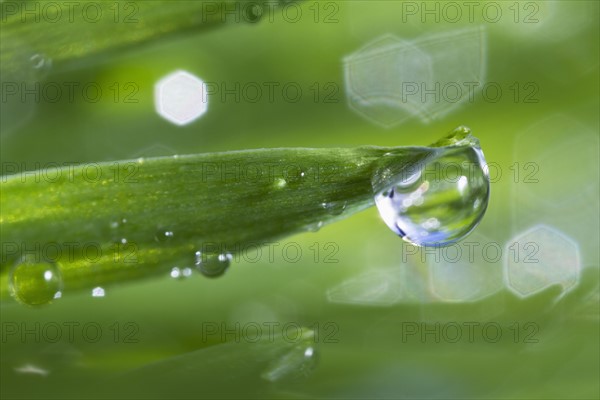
(212, 265)
(35, 282)
(438, 199)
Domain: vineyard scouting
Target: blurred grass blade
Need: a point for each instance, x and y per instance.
(235, 364)
(68, 31)
(115, 221)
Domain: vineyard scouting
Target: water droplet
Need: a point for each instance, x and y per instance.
(298, 362)
(314, 227)
(439, 199)
(35, 282)
(118, 223)
(164, 235)
(280, 183)
(41, 63)
(98, 292)
(335, 207)
(212, 265)
(254, 13)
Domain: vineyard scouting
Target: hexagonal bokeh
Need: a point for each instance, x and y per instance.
(390, 80)
(375, 75)
(557, 182)
(541, 257)
(181, 97)
(466, 271)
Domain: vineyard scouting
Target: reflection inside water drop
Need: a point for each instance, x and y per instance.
(34, 281)
(438, 199)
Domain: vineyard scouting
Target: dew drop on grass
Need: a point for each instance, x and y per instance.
(164, 235)
(439, 199)
(335, 207)
(35, 282)
(280, 183)
(212, 265)
(41, 62)
(314, 227)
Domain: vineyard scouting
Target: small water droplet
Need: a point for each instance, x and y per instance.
(280, 183)
(118, 223)
(438, 200)
(212, 265)
(35, 282)
(254, 13)
(41, 62)
(164, 235)
(314, 227)
(297, 363)
(334, 207)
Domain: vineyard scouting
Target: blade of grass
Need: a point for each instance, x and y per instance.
(70, 31)
(116, 221)
(255, 362)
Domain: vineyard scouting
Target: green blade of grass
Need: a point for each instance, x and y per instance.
(116, 221)
(69, 31)
(259, 363)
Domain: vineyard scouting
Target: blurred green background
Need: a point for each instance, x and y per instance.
(367, 302)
